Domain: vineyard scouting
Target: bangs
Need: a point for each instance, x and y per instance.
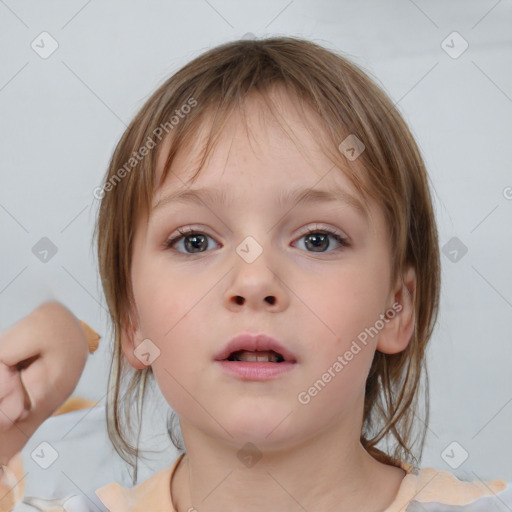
(204, 131)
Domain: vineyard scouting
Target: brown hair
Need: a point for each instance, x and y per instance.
(390, 169)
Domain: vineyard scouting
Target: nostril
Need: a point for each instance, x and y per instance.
(270, 300)
(239, 300)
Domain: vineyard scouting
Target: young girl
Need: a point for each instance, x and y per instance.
(269, 255)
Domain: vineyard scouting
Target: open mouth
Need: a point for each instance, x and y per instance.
(267, 356)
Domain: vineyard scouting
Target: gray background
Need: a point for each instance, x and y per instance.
(61, 117)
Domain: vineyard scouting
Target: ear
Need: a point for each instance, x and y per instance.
(398, 331)
(129, 334)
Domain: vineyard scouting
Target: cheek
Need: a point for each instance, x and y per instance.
(346, 304)
(171, 312)
(344, 352)
(163, 298)
(346, 314)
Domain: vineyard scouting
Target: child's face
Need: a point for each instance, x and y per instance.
(187, 304)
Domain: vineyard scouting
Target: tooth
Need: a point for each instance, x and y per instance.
(245, 355)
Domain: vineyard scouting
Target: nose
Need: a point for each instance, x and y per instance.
(256, 286)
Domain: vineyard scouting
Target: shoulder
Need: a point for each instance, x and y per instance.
(153, 494)
(433, 490)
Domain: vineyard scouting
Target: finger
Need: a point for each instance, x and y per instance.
(6, 380)
(17, 346)
(13, 400)
(36, 387)
(22, 340)
(28, 403)
(11, 408)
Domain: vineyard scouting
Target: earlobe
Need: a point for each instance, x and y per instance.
(128, 336)
(398, 331)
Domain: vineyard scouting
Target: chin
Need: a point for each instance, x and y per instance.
(265, 431)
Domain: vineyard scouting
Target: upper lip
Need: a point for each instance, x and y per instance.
(252, 343)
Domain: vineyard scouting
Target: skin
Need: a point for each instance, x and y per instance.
(41, 359)
(185, 304)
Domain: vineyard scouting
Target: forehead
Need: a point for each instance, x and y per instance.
(272, 147)
(270, 129)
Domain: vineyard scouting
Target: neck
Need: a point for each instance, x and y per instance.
(327, 472)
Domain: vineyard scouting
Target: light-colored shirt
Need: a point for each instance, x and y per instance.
(421, 490)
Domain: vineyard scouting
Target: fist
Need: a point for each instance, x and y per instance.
(41, 360)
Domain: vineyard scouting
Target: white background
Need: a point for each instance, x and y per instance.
(61, 117)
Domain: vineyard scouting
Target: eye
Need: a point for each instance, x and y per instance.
(317, 240)
(194, 241)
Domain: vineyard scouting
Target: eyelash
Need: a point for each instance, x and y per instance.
(183, 232)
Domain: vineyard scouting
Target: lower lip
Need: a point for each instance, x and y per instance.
(254, 370)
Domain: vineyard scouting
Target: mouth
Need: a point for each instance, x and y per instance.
(249, 347)
(255, 357)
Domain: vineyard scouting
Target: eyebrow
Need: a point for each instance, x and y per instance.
(285, 198)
